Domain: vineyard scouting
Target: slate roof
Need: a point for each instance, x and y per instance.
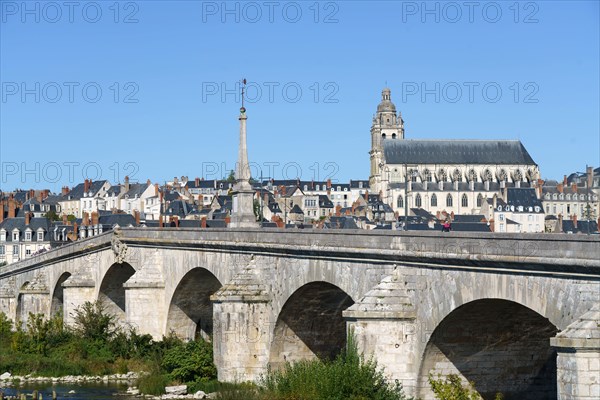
(356, 184)
(136, 189)
(524, 197)
(582, 226)
(456, 152)
(118, 219)
(468, 218)
(324, 201)
(296, 210)
(19, 222)
(341, 223)
(77, 191)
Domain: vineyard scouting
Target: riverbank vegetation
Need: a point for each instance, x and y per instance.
(95, 345)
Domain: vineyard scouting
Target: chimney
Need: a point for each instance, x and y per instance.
(85, 219)
(75, 231)
(64, 190)
(575, 221)
(40, 196)
(574, 187)
(590, 176)
(94, 218)
(27, 218)
(136, 214)
(156, 189)
(538, 188)
(65, 221)
(203, 223)
(560, 223)
(86, 186)
(31, 194)
(1, 210)
(492, 225)
(197, 181)
(328, 184)
(160, 221)
(338, 210)
(565, 180)
(126, 184)
(559, 187)
(12, 208)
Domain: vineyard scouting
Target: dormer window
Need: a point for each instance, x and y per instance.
(40, 236)
(15, 236)
(317, 187)
(2, 236)
(360, 185)
(28, 236)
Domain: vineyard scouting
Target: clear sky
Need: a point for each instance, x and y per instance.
(148, 88)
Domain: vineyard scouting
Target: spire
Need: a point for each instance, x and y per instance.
(243, 195)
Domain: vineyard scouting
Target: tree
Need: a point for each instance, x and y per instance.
(231, 177)
(52, 215)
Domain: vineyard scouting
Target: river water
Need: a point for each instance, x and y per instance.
(84, 391)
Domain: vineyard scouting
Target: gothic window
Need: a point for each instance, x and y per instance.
(464, 201)
(400, 202)
(418, 200)
(479, 200)
(449, 200)
(442, 176)
(427, 175)
(393, 136)
(433, 200)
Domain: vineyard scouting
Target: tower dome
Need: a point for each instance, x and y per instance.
(386, 104)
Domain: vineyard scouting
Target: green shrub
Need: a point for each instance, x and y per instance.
(191, 361)
(452, 388)
(5, 326)
(348, 377)
(93, 322)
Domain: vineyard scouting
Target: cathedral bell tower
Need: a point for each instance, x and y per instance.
(387, 125)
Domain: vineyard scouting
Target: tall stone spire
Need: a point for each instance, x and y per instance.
(243, 195)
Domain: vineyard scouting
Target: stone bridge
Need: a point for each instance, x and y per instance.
(515, 313)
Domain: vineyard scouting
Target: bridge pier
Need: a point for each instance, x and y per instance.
(144, 291)
(384, 326)
(578, 359)
(76, 292)
(242, 328)
(34, 300)
(140, 297)
(8, 299)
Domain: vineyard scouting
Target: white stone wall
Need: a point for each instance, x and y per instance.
(578, 375)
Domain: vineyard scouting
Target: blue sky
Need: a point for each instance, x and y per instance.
(146, 88)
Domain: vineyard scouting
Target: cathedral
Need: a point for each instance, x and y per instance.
(455, 176)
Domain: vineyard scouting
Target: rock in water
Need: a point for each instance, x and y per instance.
(181, 389)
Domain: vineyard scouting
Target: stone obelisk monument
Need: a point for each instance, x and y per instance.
(243, 195)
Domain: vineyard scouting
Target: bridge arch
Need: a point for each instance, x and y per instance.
(500, 345)
(111, 291)
(190, 309)
(310, 324)
(57, 299)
